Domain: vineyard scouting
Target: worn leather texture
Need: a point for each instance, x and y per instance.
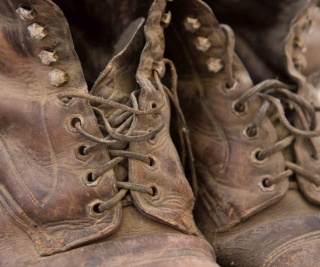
(286, 233)
(47, 117)
(257, 33)
(289, 32)
(42, 183)
(230, 179)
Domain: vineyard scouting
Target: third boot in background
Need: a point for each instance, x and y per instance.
(256, 158)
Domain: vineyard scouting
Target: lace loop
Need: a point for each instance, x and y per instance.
(110, 103)
(278, 94)
(125, 138)
(276, 102)
(264, 153)
(136, 187)
(267, 84)
(276, 179)
(113, 201)
(313, 178)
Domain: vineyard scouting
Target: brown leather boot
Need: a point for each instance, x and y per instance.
(88, 179)
(249, 142)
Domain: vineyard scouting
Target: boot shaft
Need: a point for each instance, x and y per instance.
(70, 159)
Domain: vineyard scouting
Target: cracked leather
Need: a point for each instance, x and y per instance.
(217, 131)
(258, 35)
(43, 187)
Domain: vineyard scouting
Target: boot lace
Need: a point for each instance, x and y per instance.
(118, 129)
(285, 102)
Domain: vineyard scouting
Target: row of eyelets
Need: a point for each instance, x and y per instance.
(192, 24)
(203, 44)
(57, 77)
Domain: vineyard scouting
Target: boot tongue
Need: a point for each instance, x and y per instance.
(116, 83)
(129, 45)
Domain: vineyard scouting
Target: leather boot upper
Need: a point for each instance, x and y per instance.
(224, 137)
(70, 159)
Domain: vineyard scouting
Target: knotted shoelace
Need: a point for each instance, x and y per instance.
(283, 98)
(117, 140)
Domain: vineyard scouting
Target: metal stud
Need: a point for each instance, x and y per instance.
(166, 19)
(214, 64)
(37, 32)
(191, 24)
(58, 77)
(25, 13)
(202, 44)
(48, 58)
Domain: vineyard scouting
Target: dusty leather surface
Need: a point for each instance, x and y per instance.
(218, 132)
(257, 32)
(287, 31)
(148, 246)
(286, 233)
(47, 203)
(42, 183)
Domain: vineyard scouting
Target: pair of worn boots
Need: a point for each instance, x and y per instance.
(94, 178)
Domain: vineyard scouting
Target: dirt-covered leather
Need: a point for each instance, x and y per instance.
(286, 233)
(286, 59)
(42, 184)
(230, 179)
(48, 204)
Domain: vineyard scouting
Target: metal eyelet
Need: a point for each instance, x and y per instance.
(228, 89)
(255, 159)
(264, 184)
(94, 209)
(156, 191)
(80, 152)
(153, 165)
(152, 162)
(251, 132)
(90, 180)
(73, 120)
(154, 105)
(239, 110)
